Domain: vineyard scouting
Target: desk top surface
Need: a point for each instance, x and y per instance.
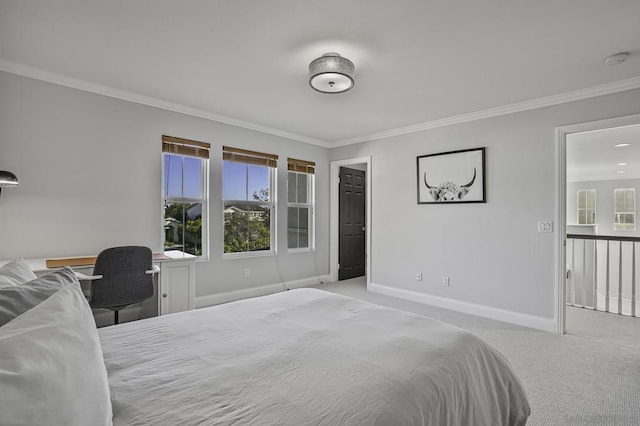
(88, 261)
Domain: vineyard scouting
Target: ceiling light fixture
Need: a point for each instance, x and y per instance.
(620, 172)
(616, 58)
(621, 145)
(331, 73)
(622, 164)
(7, 179)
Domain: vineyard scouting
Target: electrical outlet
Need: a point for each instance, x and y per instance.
(419, 276)
(545, 226)
(445, 281)
(247, 273)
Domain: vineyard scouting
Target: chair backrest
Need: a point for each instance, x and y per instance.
(124, 281)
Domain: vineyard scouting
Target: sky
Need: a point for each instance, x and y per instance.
(240, 180)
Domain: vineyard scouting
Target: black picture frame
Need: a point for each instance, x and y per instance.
(452, 177)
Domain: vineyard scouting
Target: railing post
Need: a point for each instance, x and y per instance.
(595, 275)
(633, 280)
(573, 276)
(584, 273)
(620, 280)
(606, 296)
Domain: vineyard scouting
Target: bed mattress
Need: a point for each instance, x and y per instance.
(306, 357)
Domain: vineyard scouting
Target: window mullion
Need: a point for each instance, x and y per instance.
(246, 182)
(184, 228)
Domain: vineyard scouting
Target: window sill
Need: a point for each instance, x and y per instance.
(300, 250)
(244, 255)
(179, 255)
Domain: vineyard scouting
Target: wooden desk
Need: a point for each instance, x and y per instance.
(176, 284)
(89, 260)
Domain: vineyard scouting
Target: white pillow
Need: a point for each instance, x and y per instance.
(15, 272)
(52, 370)
(18, 299)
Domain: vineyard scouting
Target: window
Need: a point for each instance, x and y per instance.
(625, 209)
(185, 173)
(586, 206)
(300, 199)
(248, 192)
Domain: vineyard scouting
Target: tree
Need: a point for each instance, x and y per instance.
(248, 228)
(188, 231)
(261, 195)
(235, 232)
(193, 236)
(260, 231)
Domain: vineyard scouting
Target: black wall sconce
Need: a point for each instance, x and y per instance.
(7, 179)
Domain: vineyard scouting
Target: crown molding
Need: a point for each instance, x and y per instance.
(62, 80)
(580, 179)
(547, 101)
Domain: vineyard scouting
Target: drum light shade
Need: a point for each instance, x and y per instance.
(331, 73)
(8, 179)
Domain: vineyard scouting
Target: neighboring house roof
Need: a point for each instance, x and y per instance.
(169, 221)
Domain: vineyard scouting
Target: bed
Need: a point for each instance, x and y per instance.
(300, 357)
(306, 357)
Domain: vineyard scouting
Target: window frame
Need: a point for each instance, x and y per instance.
(586, 209)
(617, 214)
(310, 205)
(187, 148)
(251, 158)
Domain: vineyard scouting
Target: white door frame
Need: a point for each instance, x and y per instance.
(334, 224)
(561, 203)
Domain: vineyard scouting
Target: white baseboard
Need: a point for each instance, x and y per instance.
(230, 296)
(526, 320)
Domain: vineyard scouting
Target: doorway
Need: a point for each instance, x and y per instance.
(357, 235)
(571, 163)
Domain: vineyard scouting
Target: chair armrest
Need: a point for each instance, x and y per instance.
(82, 276)
(153, 271)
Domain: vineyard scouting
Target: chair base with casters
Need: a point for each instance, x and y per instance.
(122, 276)
(116, 313)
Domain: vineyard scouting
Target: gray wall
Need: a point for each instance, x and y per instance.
(90, 177)
(604, 204)
(492, 252)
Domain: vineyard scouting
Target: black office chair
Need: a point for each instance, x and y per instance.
(122, 277)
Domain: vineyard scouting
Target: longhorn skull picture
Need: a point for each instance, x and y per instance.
(452, 177)
(449, 191)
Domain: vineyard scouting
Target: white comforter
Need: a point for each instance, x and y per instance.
(306, 357)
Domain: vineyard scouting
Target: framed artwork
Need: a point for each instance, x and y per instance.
(452, 177)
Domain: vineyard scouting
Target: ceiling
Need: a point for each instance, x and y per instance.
(245, 61)
(593, 156)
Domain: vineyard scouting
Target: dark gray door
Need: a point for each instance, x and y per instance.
(352, 224)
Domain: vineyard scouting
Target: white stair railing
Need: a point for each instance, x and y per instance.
(601, 273)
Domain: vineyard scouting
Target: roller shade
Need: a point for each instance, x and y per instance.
(249, 157)
(173, 145)
(302, 166)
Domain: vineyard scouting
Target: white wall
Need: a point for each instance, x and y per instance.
(604, 204)
(493, 253)
(90, 177)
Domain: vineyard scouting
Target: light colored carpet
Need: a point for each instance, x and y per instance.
(589, 376)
